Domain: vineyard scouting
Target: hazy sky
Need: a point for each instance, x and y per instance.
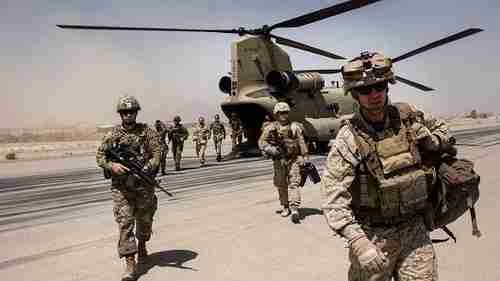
(50, 76)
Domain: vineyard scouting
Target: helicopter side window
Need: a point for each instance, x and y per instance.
(334, 108)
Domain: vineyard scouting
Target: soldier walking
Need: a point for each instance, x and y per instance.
(162, 131)
(177, 135)
(134, 203)
(374, 185)
(284, 142)
(201, 135)
(218, 135)
(236, 129)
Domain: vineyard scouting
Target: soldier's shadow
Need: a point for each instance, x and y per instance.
(306, 212)
(170, 258)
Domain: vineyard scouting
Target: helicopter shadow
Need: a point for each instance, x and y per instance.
(170, 258)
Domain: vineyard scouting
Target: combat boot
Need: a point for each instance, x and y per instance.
(177, 166)
(295, 215)
(219, 157)
(285, 212)
(130, 270)
(142, 252)
(163, 173)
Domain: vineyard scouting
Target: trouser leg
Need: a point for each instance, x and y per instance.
(293, 184)
(203, 149)
(123, 211)
(146, 206)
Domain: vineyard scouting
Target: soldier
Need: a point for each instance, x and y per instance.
(374, 185)
(177, 135)
(218, 135)
(201, 134)
(161, 128)
(133, 202)
(267, 121)
(236, 129)
(284, 142)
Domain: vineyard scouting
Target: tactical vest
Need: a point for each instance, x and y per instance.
(177, 134)
(217, 130)
(287, 137)
(202, 134)
(391, 185)
(135, 141)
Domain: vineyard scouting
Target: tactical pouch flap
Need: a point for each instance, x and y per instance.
(403, 195)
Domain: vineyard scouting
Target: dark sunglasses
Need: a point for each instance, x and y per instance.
(127, 112)
(366, 90)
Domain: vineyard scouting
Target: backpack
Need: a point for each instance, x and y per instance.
(457, 191)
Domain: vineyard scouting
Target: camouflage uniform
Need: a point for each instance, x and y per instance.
(287, 166)
(177, 135)
(236, 130)
(201, 134)
(162, 130)
(352, 210)
(133, 202)
(218, 135)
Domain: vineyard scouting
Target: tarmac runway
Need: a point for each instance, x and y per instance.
(57, 224)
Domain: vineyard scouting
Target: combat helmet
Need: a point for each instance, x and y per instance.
(177, 118)
(281, 107)
(127, 103)
(367, 69)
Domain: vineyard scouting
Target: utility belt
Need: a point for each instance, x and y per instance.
(372, 218)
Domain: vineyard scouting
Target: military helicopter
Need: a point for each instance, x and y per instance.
(262, 75)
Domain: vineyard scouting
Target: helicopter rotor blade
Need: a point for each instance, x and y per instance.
(304, 47)
(323, 13)
(413, 84)
(451, 38)
(320, 71)
(101, 27)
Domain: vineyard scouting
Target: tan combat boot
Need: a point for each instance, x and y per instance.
(285, 212)
(142, 252)
(130, 270)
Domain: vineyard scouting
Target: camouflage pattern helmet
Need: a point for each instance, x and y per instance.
(201, 119)
(127, 103)
(367, 69)
(216, 117)
(177, 118)
(281, 107)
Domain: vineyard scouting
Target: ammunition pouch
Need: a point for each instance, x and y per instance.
(403, 195)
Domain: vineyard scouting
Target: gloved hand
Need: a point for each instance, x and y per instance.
(420, 130)
(271, 150)
(369, 256)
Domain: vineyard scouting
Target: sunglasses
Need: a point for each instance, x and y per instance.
(128, 112)
(366, 90)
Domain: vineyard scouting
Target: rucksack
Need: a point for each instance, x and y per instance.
(457, 191)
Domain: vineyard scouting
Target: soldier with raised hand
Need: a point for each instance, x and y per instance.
(162, 131)
(134, 203)
(218, 135)
(201, 135)
(375, 186)
(284, 142)
(236, 129)
(177, 135)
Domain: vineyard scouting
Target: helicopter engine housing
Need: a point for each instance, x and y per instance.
(289, 81)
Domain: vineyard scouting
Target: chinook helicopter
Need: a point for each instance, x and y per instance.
(262, 75)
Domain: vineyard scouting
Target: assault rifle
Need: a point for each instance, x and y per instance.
(309, 170)
(124, 156)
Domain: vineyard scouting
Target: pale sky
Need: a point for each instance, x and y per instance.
(50, 76)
